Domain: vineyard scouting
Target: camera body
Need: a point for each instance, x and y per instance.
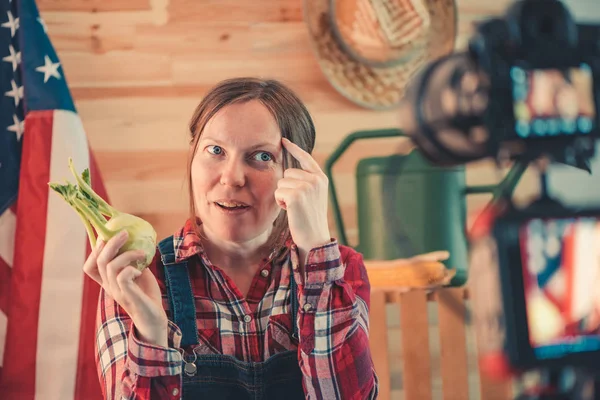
(544, 80)
(544, 90)
(535, 273)
(527, 87)
(549, 270)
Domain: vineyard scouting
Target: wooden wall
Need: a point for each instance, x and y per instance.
(138, 68)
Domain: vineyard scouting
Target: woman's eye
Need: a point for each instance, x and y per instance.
(263, 156)
(216, 150)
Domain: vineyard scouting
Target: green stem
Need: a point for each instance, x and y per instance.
(97, 222)
(88, 229)
(93, 208)
(103, 206)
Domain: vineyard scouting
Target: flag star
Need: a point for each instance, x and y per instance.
(14, 58)
(49, 69)
(43, 24)
(16, 92)
(17, 127)
(12, 24)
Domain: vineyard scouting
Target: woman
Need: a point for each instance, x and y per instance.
(251, 298)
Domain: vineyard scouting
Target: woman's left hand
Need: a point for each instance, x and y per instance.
(303, 193)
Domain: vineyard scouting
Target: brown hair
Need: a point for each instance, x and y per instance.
(292, 117)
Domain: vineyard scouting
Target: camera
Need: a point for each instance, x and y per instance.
(550, 277)
(526, 89)
(541, 67)
(529, 84)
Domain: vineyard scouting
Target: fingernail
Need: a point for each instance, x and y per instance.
(123, 234)
(99, 244)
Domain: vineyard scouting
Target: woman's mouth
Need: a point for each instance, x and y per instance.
(232, 207)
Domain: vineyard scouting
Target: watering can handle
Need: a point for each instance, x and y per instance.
(503, 189)
(337, 153)
(506, 187)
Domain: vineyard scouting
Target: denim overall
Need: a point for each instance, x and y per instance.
(218, 376)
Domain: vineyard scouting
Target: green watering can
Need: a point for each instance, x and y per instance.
(408, 206)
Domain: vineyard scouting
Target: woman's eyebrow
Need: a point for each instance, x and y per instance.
(255, 146)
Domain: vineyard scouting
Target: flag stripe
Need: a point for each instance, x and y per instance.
(87, 385)
(8, 223)
(62, 288)
(18, 376)
(3, 322)
(5, 275)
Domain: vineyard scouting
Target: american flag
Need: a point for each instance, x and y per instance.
(47, 304)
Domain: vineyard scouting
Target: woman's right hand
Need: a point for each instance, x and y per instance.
(136, 292)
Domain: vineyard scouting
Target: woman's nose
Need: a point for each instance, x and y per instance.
(233, 174)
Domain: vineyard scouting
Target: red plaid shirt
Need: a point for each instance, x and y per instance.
(333, 324)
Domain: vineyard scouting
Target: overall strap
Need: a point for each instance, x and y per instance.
(179, 292)
(294, 301)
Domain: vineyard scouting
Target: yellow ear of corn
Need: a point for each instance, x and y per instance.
(400, 274)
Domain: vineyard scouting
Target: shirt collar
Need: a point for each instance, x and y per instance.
(187, 243)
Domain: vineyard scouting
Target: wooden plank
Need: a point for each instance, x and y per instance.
(454, 368)
(393, 296)
(159, 123)
(157, 15)
(378, 339)
(415, 346)
(146, 197)
(150, 165)
(165, 223)
(273, 38)
(90, 37)
(137, 124)
(115, 68)
(93, 5)
(136, 133)
(495, 390)
(325, 104)
(156, 92)
(318, 95)
(235, 11)
(180, 38)
(195, 68)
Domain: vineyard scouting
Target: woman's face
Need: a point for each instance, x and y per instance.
(235, 170)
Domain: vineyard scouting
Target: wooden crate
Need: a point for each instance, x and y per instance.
(448, 372)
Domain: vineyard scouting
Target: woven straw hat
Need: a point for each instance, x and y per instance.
(369, 49)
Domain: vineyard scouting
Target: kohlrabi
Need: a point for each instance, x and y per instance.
(93, 209)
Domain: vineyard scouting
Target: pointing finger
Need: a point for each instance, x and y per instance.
(307, 162)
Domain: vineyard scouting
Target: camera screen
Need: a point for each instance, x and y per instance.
(553, 102)
(561, 275)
